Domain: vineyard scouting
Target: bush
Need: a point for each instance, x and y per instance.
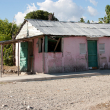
(8, 55)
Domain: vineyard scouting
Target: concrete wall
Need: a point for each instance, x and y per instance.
(104, 59)
(70, 59)
(37, 59)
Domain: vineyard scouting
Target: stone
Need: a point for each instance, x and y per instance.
(28, 107)
(16, 71)
(10, 71)
(4, 106)
(23, 73)
(24, 102)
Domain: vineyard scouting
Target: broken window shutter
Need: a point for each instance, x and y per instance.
(82, 48)
(101, 48)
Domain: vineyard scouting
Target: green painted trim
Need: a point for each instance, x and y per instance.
(46, 43)
(52, 40)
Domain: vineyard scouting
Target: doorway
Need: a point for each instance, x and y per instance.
(92, 54)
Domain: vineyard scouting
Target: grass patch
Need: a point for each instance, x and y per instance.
(5, 82)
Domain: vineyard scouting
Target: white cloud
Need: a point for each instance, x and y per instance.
(64, 10)
(19, 17)
(92, 11)
(30, 8)
(93, 2)
(84, 17)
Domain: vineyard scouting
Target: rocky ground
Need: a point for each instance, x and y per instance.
(10, 69)
(90, 93)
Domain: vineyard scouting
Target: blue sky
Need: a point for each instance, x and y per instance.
(64, 10)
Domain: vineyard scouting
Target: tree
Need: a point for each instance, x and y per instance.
(82, 20)
(106, 19)
(107, 10)
(88, 21)
(39, 14)
(101, 20)
(6, 32)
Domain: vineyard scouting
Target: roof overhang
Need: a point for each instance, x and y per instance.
(20, 40)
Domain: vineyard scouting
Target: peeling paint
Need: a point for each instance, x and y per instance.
(104, 58)
(71, 60)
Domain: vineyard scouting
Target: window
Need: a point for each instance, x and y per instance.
(51, 44)
(82, 48)
(101, 48)
(54, 44)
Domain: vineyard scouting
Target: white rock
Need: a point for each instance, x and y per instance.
(4, 105)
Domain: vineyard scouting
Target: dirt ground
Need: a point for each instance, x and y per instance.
(9, 71)
(10, 67)
(87, 93)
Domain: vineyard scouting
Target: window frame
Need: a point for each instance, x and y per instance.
(102, 51)
(84, 51)
(46, 44)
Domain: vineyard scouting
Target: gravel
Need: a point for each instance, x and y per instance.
(63, 94)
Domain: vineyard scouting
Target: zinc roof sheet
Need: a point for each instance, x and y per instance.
(71, 28)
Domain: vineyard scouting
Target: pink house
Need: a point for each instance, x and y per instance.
(55, 46)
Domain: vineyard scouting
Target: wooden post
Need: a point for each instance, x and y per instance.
(2, 59)
(1, 62)
(18, 59)
(57, 44)
(43, 53)
(13, 53)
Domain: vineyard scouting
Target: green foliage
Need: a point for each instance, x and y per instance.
(8, 55)
(101, 20)
(6, 32)
(106, 19)
(107, 10)
(82, 20)
(39, 14)
(88, 21)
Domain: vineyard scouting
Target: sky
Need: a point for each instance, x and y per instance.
(64, 10)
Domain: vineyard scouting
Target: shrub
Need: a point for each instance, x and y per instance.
(8, 55)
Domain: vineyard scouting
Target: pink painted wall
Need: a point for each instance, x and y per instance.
(104, 59)
(38, 62)
(70, 59)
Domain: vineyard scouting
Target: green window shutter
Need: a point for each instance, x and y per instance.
(46, 43)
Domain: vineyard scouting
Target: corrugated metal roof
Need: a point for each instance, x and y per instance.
(71, 28)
